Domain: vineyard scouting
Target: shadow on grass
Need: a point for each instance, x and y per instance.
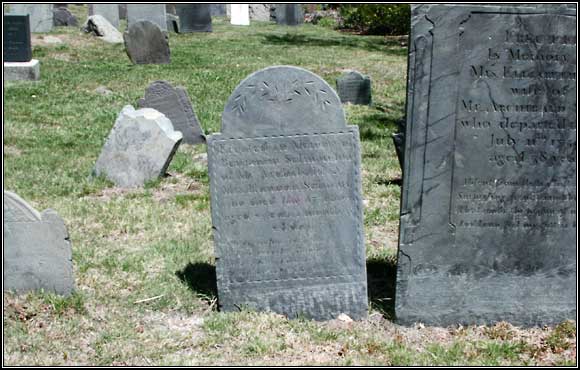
(387, 182)
(361, 42)
(200, 278)
(376, 126)
(381, 276)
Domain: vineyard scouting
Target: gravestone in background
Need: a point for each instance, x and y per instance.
(260, 12)
(488, 213)
(123, 11)
(154, 13)
(288, 14)
(240, 15)
(218, 10)
(353, 87)
(139, 148)
(17, 47)
(286, 199)
(40, 15)
(37, 249)
(109, 11)
(100, 27)
(146, 43)
(62, 17)
(174, 103)
(194, 17)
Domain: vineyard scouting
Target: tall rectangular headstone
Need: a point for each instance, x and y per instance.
(154, 13)
(109, 11)
(240, 15)
(289, 14)
(286, 201)
(17, 47)
(41, 17)
(489, 200)
(194, 17)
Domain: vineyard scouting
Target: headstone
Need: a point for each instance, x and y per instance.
(286, 201)
(62, 17)
(17, 47)
(172, 23)
(100, 27)
(146, 43)
(123, 11)
(40, 15)
(194, 17)
(240, 15)
(289, 14)
(488, 212)
(109, 11)
(260, 12)
(354, 87)
(154, 13)
(37, 249)
(175, 105)
(218, 10)
(139, 148)
(170, 9)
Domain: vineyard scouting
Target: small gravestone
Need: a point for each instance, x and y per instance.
(240, 15)
(62, 17)
(218, 10)
(154, 13)
(355, 88)
(288, 14)
(17, 55)
(139, 148)
(108, 11)
(194, 17)
(146, 43)
(489, 201)
(175, 105)
(100, 27)
(260, 12)
(41, 17)
(37, 249)
(286, 201)
(123, 11)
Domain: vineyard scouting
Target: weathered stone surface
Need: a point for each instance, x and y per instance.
(354, 87)
(488, 213)
(288, 14)
(146, 43)
(240, 15)
(40, 15)
(109, 11)
(218, 10)
(22, 70)
(175, 105)
(260, 12)
(62, 17)
(286, 199)
(139, 147)
(194, 17)
(17, 47)
(100, 27)
(154, 13)
(37, 249)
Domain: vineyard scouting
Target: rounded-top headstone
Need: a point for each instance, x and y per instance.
(354, 87)
(146, 43)
(282, 100)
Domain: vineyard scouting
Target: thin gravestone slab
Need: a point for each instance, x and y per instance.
(194, 17)
(108, 11)
(17, 46)
(488, 212)
(354, 87)
(289, 14)
(240, 14)
(37, 249)
(175, 104)
(154, 13)
(146, 43)
(286, 199)
(41, 17)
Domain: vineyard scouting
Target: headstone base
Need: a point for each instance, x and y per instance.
(22, 70)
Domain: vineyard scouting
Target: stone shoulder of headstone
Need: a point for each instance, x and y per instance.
(175, 104)
(147, 43)
(63, 17)
(354, 87)
(100, 27)
(37, 249)
(139, 148)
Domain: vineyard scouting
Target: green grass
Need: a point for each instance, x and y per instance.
(143, 259)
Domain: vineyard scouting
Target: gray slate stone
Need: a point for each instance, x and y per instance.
(194, 17)
(100, 27)
(154, 13)
(139, 147)
(40, 15)
(175, 105)
(62, 17)
(218, 10)
(354, 87)
(288, 14)
(286, 199)
(488, 212)
(109, 11)
(146, 43)
(123, 11)
(37, 249)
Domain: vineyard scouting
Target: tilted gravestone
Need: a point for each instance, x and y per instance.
(100, 27)
(240, 14)
(41, 17)
(194, 17)
(108, 11)
(37, 249)
(286, 201)
(174, 103)
(62, 17)
(288, 14)
(488, 213)
(17, 46)
(146, 43)
(354, 87)
(154, 13)
(139, 147)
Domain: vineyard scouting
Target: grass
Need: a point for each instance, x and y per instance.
(143, 258)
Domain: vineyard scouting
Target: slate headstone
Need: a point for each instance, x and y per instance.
(100, 27)
(17, 47)
(194, 17)
(62, 17)
(489, 200)
(139, 147)
(37, 249)
(174, 103)
(289, 14)
(154, 13)
(240, 15)
(109, 11)
(218, 10)
(354, 87)
(146, 43)
(123, 11)
(40, 15)
(286, 200)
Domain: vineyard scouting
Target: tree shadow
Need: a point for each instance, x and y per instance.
(200, 278)
(381, 279)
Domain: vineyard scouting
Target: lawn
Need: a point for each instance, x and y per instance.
(143, 258)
